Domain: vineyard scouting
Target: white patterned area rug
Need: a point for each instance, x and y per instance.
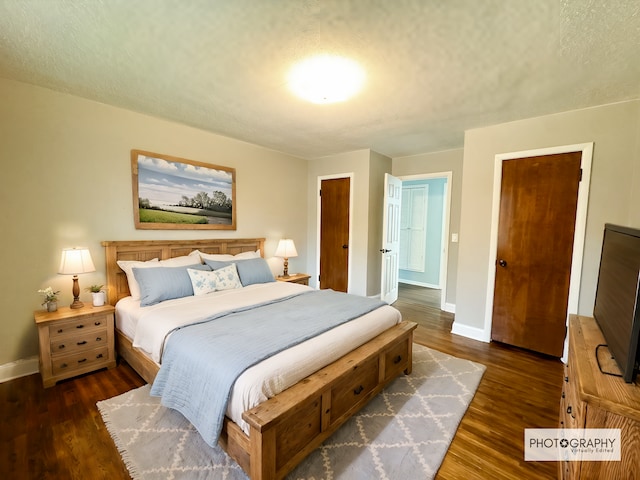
(404, 432)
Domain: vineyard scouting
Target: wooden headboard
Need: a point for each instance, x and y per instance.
(142, 250)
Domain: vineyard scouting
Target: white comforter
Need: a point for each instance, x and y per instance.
(149, 326)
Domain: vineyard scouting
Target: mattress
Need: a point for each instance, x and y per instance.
(150, 327)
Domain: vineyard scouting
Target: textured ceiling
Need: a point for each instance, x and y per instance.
(434, 68)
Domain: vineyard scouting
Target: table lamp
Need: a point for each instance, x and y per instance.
(73, 262)
(286, 249)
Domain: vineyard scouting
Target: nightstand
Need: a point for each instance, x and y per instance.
(75, 341)
(301, 278)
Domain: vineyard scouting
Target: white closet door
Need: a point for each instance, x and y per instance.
(413, 227)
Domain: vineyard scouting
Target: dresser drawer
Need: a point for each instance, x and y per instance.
(347, 392)
(396, 359)
(85, 340)
(77, 326)
(83, 360)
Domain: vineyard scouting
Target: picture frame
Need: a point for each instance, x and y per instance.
(172, 193)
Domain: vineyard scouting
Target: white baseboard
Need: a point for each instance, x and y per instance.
(19, 368)
(450, 307)
(470, 332)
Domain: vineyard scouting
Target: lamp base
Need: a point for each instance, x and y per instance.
(76, 294)
(76, 304)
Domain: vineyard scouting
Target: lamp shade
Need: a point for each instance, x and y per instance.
(76, 260)
(286, 249)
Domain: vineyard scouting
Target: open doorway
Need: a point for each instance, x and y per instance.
(426, 202)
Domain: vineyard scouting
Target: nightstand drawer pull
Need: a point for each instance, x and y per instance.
(82, 360)
(61, 346)
(98, 339)
(64, 365)
(84, 342)
(97, 324)
(99, 355)
(80, 326)
(358, 390)
(59, 330)
(398, 359)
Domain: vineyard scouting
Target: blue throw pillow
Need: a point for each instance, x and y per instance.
(250, 271)
(164, 283)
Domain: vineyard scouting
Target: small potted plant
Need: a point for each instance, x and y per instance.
(50, 299)
(97, 294)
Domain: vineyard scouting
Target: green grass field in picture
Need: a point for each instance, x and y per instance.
(159, 216)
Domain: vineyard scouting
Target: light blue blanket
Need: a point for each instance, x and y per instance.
(202, 362)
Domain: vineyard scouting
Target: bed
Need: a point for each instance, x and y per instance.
(274, 436)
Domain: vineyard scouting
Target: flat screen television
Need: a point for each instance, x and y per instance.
(617, 305)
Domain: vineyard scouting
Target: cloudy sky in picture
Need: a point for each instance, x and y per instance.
(164, 182)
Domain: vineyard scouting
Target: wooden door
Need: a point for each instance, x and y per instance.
(334, 234)
(538, 203)
(390, 238)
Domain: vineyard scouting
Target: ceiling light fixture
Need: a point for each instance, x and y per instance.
(326, 79)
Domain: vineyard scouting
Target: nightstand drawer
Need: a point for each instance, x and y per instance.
(78, 327)
(78, 343)
(81, 360)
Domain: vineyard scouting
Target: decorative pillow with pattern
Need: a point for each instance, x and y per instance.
(204, 282)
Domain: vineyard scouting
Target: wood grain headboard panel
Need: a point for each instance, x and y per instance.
(143, 250)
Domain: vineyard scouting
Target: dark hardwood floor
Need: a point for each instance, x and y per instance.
(57, 433)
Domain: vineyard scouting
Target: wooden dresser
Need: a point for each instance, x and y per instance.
(592, 399)
(75, 341)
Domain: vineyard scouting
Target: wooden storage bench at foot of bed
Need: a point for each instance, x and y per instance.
(289, 426)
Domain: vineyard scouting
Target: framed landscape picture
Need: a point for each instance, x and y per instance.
(174, 193)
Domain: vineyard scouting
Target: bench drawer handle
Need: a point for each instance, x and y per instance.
(358, 390)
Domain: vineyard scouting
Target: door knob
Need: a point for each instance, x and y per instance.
(345, 246)
(502, 263)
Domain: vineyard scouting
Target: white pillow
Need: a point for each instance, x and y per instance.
(204, 282)
(128, 265)
(191, 259)
(224, 257)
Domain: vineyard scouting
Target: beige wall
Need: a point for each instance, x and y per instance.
(66, 181)
(613, 191)
(437, 162)
(378, 166)
(336, 166)
(358, 164)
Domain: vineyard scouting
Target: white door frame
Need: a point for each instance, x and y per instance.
(446, 217)
(350, 176)
(578, 237)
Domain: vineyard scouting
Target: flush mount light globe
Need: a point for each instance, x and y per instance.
(326, 79)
